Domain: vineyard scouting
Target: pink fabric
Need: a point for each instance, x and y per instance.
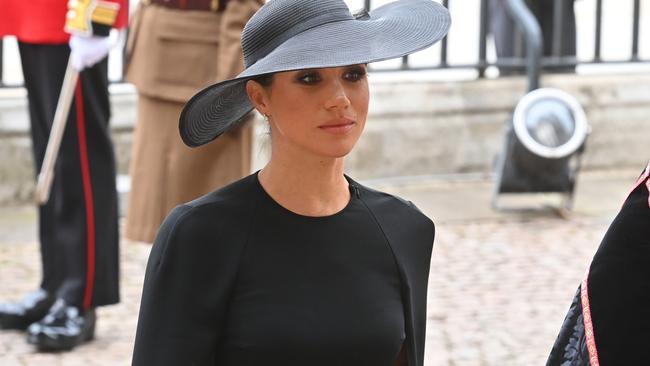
(584, 288)
(587, 321)
(647, 184)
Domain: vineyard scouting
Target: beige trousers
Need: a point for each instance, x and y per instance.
(172, 54)
(165, 172)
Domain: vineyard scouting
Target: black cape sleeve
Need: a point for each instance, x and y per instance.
(410, 235)
(188, 280)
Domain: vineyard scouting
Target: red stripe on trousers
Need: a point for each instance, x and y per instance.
(88, 197)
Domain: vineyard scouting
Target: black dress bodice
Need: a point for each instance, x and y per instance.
(236, 279)
(314, 291)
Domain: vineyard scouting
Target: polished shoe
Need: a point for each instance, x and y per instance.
(29, 310)
(63, 328)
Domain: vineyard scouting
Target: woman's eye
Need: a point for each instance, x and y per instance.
(355, 75)
(310, 78)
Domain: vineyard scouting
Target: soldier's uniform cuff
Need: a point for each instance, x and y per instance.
(91, 17)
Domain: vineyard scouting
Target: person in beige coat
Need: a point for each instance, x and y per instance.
(175, 48)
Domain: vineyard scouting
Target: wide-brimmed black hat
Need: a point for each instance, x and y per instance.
(286, 35)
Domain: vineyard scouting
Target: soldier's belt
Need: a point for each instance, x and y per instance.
(204, 5)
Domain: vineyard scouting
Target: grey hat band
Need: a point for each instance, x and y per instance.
(265, 46)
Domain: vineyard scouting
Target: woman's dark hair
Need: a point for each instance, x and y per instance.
(265, 79)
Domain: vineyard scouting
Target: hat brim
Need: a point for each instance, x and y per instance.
(391, 31)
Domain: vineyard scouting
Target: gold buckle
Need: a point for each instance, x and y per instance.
(214, 5)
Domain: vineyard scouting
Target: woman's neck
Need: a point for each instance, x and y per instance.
(307, 185)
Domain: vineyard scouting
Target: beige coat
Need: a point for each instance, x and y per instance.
(172, 54)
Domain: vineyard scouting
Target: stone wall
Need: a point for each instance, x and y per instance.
(415, 127)
(447, 128)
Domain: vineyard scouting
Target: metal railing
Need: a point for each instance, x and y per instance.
(526, 21)
(555, 59)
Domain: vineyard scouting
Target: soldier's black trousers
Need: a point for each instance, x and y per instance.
(78, 226)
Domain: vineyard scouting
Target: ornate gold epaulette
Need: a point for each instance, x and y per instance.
(91, 17)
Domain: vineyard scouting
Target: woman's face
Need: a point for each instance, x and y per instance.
(315, 111)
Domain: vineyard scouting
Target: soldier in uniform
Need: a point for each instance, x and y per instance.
(175, 48)
(78, 225)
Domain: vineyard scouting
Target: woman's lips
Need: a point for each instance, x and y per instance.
(338, 127)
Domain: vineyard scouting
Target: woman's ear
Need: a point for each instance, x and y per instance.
(258, 96)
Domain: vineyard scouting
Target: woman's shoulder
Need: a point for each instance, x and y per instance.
(216, 216)
(389, 203)
(409, 231)
(200, 244)
(229, 197)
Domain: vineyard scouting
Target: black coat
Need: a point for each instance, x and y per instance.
(194, 261)
(615, 294)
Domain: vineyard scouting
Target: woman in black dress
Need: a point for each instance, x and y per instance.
(297, 264)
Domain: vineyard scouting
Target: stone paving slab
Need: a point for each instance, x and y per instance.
(499, 288)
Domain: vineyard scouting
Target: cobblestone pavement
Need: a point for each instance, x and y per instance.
(499, 289)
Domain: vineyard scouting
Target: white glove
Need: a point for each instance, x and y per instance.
(87, 51)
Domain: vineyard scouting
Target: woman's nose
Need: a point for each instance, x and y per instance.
(338, 97)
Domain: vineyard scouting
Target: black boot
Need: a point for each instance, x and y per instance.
(29, 310)
(63, 328)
